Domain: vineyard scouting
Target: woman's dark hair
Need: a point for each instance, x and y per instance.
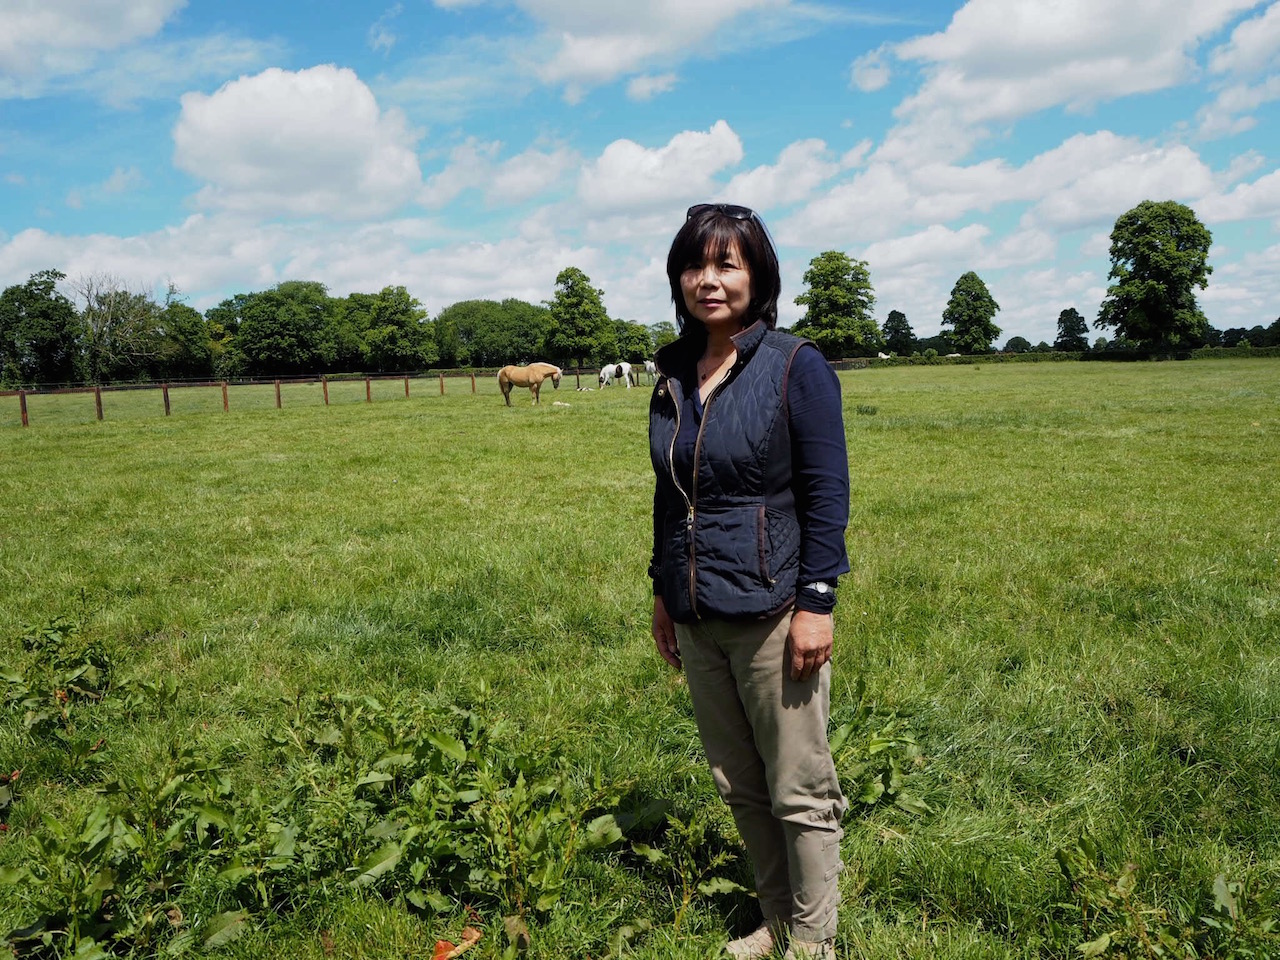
(712, 229)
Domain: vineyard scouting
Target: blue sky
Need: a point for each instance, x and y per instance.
(474, 148)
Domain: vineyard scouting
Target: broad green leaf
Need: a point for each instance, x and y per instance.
(601, 832)
(12, 875)
(235, 872)
(449, 746)
(374, 778)
(88, 949)
(719, 885)
(838, 739)
(912, 805)
(224, 928)
(871, 792)
(1095, 948)
(1222, 897)
(377, 863)
(652, 854)
(398, 759)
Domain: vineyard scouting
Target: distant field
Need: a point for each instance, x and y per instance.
(1060, 642)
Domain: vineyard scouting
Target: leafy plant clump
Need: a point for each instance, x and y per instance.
(1237, 922)
(433, 808)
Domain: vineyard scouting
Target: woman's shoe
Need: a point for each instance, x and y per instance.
(754, 946)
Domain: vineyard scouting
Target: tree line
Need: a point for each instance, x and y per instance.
(110, 333)
(1159, 257)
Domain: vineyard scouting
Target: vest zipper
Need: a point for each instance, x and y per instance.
(693, 508)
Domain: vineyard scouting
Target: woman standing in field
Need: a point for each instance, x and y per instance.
(749, 511)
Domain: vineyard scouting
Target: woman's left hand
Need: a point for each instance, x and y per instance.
(809, 643)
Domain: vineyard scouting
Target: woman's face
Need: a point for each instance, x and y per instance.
(718, 291)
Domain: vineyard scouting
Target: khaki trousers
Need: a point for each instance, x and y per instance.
(765, 736)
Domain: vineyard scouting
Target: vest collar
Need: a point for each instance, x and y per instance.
(684, 352)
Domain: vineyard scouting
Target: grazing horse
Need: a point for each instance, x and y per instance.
(651, 369)
(616, 371)
(530, 376)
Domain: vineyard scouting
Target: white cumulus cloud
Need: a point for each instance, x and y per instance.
(53, 36)
(801, 168)
(310, 142)
(628, 176)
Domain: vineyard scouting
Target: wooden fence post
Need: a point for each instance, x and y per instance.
(577, 377)
(22, 405)
(226, 407)
(442, 384)
(324, 382)
(406, 387)
(97, 400)
(473, 383)
(164, 388)
(368, 391)
(277, 394)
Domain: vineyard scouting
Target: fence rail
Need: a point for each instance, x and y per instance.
(434, 380)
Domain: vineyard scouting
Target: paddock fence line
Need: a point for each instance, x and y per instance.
(441, 379)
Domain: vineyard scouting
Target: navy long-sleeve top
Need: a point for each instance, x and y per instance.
(819, 468)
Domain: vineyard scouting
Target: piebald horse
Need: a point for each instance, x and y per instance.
(616, 371)
(530, 376)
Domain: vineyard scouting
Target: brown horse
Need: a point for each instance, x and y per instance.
(530, 376)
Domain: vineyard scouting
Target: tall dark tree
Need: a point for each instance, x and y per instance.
(580, 327)
(40, 332)
(1159, 256)
(839, 299)
(898, 335)
(185, 349)
(1017, 345)
(1073, 332)
(970, 314)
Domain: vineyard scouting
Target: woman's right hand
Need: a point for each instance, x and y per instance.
(664, 634)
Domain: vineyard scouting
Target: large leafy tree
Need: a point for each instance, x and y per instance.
(287, 329)
(1018, 345)
(970, 314)
(839, 299)
(390, 329)
(898, 335)
(185, 348)
(635, 343)
(580, 327)
(1073, 332)
(40, 332)
(664, 332)
(486, 333)
(1159, 256)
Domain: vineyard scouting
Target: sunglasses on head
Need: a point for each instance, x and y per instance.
(731, 210)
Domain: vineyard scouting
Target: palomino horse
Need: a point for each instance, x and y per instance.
(530, 376)
(616, 371)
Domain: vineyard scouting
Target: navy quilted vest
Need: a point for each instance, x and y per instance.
(730, 546)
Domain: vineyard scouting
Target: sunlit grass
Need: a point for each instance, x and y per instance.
(1065, 576)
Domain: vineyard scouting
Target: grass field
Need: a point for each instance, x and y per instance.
(1057, 683)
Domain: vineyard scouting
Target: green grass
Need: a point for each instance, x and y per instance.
(1066, 586)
